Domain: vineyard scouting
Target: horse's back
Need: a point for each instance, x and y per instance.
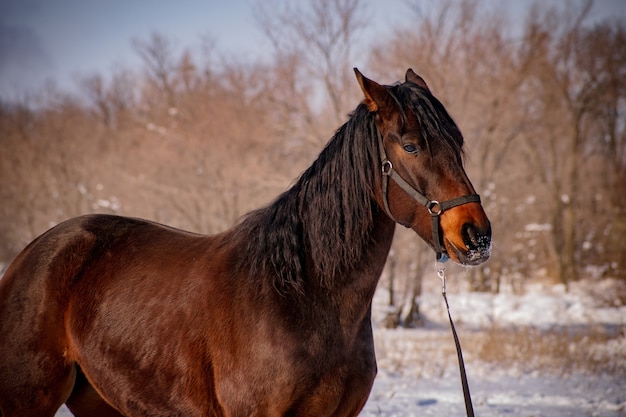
(66, 268)
(38, 281)
(46, 270)
(33, 291)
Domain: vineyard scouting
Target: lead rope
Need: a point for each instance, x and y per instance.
(441, 273)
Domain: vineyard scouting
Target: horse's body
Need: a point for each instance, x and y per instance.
(120, 316)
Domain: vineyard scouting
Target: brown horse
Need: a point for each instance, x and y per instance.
(120, 316)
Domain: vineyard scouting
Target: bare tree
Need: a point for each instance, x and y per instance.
(158, 56)
(600, 60)
(322, 35)
(564, 95)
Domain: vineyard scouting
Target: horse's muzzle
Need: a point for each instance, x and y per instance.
(477, 245)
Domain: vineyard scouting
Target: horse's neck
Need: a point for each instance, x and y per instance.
(354, 290)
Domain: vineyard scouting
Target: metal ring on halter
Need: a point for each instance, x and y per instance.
(387, 167)
(432, 204)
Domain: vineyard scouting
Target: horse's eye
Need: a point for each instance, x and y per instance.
(410, 148)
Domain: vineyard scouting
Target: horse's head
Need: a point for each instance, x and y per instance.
(423, 183)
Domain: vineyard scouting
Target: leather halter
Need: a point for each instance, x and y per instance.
(435, 208)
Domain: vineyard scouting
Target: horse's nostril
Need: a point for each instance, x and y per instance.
(468, 233)
(473, 238)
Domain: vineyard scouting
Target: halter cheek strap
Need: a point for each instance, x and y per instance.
(435, 208)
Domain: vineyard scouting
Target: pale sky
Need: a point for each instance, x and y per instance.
(63, 39)
(59, 39)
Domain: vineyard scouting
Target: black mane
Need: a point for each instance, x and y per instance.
(324, 217)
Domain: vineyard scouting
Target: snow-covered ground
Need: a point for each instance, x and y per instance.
(418, 374)
(498, 394)
(418, 371)
(425, 382)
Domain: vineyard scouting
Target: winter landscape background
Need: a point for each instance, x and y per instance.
(195, 132)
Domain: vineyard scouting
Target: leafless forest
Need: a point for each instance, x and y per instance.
(195, 140)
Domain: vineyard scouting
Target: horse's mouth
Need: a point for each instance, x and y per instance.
(469, 257)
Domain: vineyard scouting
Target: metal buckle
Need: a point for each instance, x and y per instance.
(431, 205)
(387, 167)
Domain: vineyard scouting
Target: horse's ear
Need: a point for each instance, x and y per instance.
(377, 98)
(412, 77)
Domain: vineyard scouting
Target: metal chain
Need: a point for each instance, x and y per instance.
(441, 273)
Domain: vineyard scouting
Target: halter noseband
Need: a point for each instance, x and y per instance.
(435, 208)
